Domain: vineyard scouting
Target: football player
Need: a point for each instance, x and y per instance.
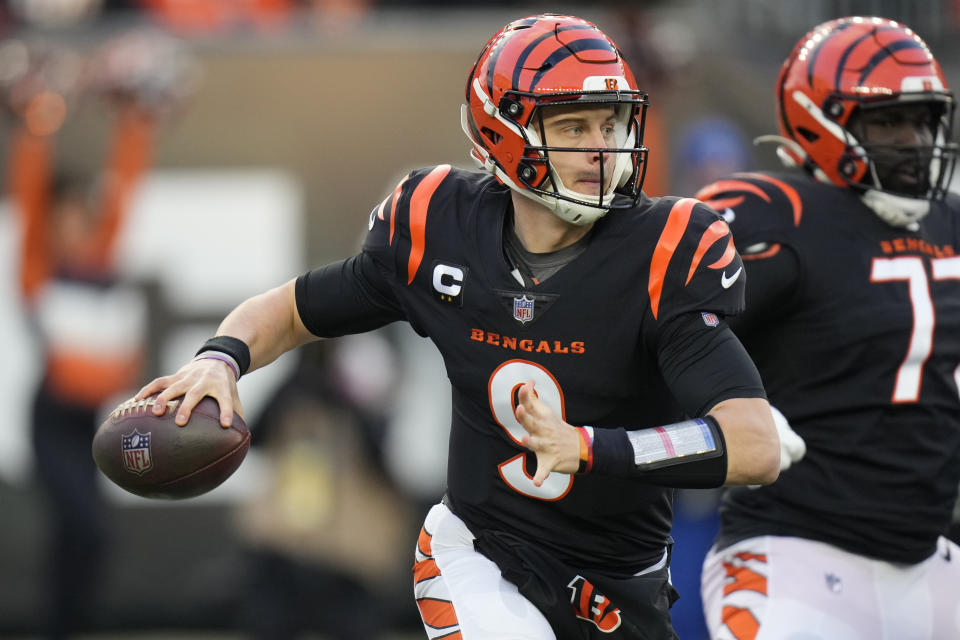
(582, 327)
(853, 319)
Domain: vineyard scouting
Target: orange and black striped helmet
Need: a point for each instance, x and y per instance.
(553, 59)
(844, 67)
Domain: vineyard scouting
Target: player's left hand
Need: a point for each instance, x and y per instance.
(555, 442)
(792, 446)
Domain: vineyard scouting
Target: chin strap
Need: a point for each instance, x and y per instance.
(897, 211)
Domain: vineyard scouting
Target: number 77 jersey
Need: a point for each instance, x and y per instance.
(859, 349)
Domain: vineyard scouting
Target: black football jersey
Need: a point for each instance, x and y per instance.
(588, 336)
(859, 349)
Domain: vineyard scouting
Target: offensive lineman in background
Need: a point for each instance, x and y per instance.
(548, 314)
(853, 319)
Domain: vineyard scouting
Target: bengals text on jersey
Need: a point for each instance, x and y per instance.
(591, 337)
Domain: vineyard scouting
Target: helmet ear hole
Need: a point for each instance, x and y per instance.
(809, 136)
(491, 135)
(829, 89)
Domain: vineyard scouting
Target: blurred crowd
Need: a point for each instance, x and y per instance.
(189, 17)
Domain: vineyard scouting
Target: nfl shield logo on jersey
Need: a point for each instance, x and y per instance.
(710, 319)
(136, 452)
(523, 309)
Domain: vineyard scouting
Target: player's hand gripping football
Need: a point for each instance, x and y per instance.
(555, 442)
(194, 380)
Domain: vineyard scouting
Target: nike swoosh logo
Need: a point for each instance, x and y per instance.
(725, 282)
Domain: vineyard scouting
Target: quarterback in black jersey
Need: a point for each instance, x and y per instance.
(591, 364)
(853, 319)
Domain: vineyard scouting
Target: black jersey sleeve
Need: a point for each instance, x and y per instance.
(760, 208)
(703, 363)
(694, 265)
(397, 236)
(763, 211)
(773, 277)
(350, 296)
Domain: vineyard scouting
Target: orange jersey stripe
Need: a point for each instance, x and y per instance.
(795, 203)
(741, 623)
(723, 203)
(721, 186)
(393, 206)
(667, 243)
(419, 203)
(769, 253)
(713, 233)
(437, 613)
(727, 256)
(425, 570)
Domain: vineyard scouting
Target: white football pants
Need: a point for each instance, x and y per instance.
(459, 589)
(780, 588)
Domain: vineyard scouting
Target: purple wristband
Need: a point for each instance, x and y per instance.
(222, 357)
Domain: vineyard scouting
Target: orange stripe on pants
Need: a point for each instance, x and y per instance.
(741, 623)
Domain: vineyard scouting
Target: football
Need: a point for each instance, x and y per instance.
(153, 457)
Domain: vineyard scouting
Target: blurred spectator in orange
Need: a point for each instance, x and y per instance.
(263, 15)
(215, 15)
(90, 325)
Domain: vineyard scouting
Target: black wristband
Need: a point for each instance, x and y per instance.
(695, 459)
(234, 347)
(612, 452)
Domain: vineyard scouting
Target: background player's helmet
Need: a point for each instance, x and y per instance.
(549, 60)
(838, 71)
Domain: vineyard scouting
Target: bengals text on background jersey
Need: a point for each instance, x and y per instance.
(588, 336)
(860, 353)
